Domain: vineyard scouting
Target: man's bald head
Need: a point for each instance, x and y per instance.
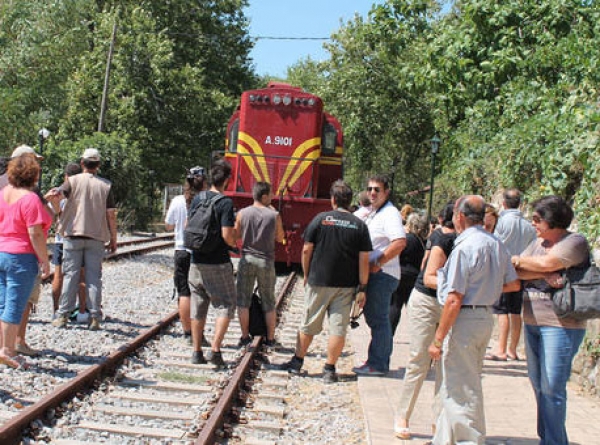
(472, 207)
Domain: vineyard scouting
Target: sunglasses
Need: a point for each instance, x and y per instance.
(374, 189)
(536, 219)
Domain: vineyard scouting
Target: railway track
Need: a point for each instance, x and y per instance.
(137, 246)
(146, 391)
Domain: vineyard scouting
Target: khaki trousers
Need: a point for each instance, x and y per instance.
(424, 314)
(462, 420)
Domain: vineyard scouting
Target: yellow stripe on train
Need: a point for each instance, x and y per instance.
(300, 152)
(251, 161)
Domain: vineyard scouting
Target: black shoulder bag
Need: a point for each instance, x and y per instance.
(579, 298)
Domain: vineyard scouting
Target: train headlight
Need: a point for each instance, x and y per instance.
(266, 99)
(311, 102)
(277, 99)
(297, 101)
(252, 98)
(287, 100)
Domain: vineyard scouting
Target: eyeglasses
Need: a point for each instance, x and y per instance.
(536, 219)
(374, 189)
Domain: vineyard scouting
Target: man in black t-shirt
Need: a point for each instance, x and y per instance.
(335, 260)
(211, 275)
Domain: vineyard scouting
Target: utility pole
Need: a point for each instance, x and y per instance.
(103, 105)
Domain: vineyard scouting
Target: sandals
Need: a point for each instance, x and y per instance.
(402, 433)
(16, 362)
(495, 358)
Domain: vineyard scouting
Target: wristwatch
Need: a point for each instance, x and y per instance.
(437, 343)
(361, 288)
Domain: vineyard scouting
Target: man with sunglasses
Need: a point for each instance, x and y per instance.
(388, 239)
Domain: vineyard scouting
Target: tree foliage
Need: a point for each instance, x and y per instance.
(176, 75)
(512, 87)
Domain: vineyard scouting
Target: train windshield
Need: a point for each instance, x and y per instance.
(233, 136)
(328, 139)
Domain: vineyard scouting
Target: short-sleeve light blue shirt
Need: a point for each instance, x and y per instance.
(514, 231)
(477, 268)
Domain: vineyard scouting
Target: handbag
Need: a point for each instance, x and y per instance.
(579, 298)
(258, 325)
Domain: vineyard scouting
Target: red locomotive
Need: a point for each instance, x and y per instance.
(281, 135)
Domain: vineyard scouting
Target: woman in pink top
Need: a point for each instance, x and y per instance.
(24, 225)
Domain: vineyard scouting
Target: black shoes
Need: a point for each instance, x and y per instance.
(244, 341)
(216, 359)
(271, 343)
(293, 366)
(198, 358)
(330, 376)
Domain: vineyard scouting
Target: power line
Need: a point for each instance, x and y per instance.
(288, 38)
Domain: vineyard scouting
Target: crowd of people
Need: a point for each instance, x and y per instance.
(476, 264)
(84, 211)
(453, 278)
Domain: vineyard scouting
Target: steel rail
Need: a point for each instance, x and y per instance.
(208, 433)
(10, 432)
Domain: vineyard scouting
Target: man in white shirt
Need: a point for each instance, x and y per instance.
(388, 239)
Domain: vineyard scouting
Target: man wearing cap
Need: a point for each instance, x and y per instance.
(88, 221)
(20, 150)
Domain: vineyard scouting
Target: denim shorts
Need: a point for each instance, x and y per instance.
(57, 254)
(17, 276)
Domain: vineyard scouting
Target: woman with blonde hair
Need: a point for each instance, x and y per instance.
(410, 265)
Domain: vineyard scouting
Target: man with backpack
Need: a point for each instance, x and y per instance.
(210, 234)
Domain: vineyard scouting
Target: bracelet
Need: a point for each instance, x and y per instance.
(437, 343)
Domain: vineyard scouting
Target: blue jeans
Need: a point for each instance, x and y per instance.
(377, 316)
(17, 276)
(550, 352)
(78, 253)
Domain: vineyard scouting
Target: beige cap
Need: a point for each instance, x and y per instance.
(25, 149)
(91, 154)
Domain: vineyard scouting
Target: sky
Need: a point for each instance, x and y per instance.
(296, 18)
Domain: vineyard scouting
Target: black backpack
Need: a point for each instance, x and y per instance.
(203, 231)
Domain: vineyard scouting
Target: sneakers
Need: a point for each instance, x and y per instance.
(25, 349)
(244, 341)
(330, 376)
(293, 366)
(82, 318)
(367, 370)
(94, 324)
(216, 359)
(198, 358)
(60, 321)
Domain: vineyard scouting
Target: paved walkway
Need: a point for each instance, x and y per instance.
(509, 401)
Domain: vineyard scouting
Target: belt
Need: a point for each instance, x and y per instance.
(473, 306)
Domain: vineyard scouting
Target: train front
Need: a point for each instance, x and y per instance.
(281, 135)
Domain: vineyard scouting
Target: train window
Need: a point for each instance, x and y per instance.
(328, 139)
(233, 136)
